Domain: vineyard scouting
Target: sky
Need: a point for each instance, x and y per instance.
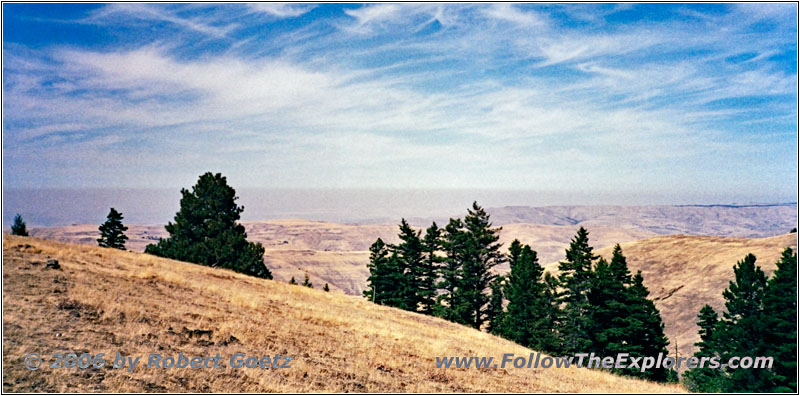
(674, 99)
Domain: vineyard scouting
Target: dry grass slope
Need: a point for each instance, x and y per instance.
(102, 300)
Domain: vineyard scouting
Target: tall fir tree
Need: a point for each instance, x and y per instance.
(495, 315)
(780, 324)
(429, 273)
(531, 311)
(453, 244)
(412, 268)
(609, 306)
(112, 232)
(645, 329)
(480, 254)
(705, 379)
(575, 278)
(379, 284)
(19, 227)
(741, 330)
(206, 230)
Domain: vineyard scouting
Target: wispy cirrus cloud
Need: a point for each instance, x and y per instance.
(421, 95)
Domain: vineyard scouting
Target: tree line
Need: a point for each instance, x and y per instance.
(760, 319)
(592, 306)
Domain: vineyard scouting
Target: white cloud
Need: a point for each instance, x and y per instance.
(282, 10)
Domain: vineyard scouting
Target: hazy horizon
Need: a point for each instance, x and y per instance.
(57, 207)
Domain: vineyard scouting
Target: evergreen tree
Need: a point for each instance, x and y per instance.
(575, 278)
(780, 324)
(112, 232)
(645, 330)
(531, 312)
(495, 314)
(609, 306)
(453, 244)
(326, 288)
(206, 230)
(481, 252)
(292, 281)
(412, 266)
(307, 282)
(379, 284)
(429, 273)
(705, 380)
(741, 331)
(19, 228)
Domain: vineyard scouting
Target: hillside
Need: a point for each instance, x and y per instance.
(337, 254)
(684, 273)
(752, 221)
(103, 300)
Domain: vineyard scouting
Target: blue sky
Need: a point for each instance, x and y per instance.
(674, 99)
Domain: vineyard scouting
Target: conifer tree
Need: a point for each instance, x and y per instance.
(453, 244)
(607, 298)
(326, 288)
(307, 282)
(575, 278)
(379, 283)
(412, 266)
(780, 324)
(530, 316)
(112, 232)
(19, 228)
(741, 331)
(706, 379)
(645, 330)
(480, 254)
(495, 314)
(292, 281)
(206, 230)
(429, 273)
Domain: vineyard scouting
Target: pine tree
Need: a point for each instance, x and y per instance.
(481, 252)
(112, 232)
(706, 379)
(741, 331)
(307, 282)
(379, 285)
(453, 245)
(206, 230)
(495, 314)
(326, 288)
(292, 281)
(531, 312)
(780, 324)
(609, 305)
(19, 228)
(575, 277)
(412, 266)
(429, 273)
(645, 330)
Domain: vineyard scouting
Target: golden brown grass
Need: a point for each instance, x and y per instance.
(104, 300)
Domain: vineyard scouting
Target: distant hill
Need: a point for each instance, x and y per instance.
(104, 300)
(683, 273)
(752, 221)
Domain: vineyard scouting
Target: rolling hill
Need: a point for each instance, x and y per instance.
(107, 301)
